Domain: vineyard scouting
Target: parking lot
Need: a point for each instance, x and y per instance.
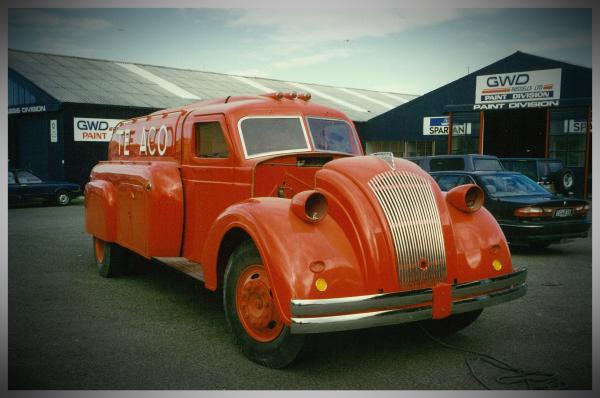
(69, 328)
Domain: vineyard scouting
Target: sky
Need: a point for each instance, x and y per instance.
(411, 51)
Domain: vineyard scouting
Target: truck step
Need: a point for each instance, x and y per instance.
(184, 265)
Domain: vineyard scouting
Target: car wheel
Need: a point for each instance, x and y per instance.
(452, 324)
(252, 313)
(111, 259)
(564, 180)
(63, 198)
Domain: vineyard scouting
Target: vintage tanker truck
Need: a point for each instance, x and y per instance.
(270, 198)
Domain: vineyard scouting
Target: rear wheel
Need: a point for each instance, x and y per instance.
(452, 324)
(252, 313)
(111, 259)
(564, 180)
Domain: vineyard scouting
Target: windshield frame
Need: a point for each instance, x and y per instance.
(352, 131)
(308, 147)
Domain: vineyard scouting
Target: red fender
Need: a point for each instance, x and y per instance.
(100, 210)
(288, 246)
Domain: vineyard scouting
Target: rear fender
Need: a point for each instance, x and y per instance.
(288, 246)
(100, 210)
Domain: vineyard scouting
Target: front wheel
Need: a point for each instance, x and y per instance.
(252, 313)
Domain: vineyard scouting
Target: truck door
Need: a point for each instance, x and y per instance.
(207, 175)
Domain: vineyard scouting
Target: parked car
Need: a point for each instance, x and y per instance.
(23, 186)
(526, 212)
(468, 162)
(548, 172)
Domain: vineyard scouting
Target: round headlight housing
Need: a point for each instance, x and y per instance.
(467, 198)
(310, 206)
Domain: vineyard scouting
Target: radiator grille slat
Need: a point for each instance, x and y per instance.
(412, 215)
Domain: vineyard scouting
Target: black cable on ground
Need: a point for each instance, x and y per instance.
(533, 380)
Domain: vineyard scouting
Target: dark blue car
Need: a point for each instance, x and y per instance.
(25, 186)
(526, 212)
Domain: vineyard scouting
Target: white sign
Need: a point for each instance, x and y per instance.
(436, 125)
(93, 130)
(575, 126)
(53, 131)
(439, 125)
(530, 89)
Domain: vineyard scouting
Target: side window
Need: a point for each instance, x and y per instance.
(11, 178)
(445, 164)
(26, 177)
(210, 142)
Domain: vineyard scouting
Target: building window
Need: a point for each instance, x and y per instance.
(403, 148)
(568, 135)
(465, 132)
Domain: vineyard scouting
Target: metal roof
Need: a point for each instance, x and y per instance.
(94, 81)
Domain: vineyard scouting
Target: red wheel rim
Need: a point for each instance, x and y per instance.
(99, 249)
(255, 305)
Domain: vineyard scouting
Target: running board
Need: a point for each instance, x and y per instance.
(184, 265)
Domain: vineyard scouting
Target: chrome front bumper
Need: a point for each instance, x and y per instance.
(346, 313)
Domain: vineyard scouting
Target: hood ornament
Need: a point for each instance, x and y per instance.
(387, 157)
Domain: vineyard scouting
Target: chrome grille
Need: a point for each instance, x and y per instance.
(412, 214)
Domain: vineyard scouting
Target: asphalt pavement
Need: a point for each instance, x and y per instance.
(69, 328)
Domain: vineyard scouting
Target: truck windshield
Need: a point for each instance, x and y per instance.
(265, 135)
(332, 135)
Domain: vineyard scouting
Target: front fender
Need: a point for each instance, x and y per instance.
(482, 250)
(287, 246)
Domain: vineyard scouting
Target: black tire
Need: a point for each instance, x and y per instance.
(564, 180)
(111, 259)
(63, 198)
(452, 324)
(282, 349)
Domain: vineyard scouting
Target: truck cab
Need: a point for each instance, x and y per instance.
(271, 199)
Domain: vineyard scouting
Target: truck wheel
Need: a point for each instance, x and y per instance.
(251, 311)
(63, 198)
(452, 324)
(111, 259)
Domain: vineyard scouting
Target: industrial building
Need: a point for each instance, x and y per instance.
(62, 109)
(520, 106)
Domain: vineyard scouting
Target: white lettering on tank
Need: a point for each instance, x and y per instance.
(162, 137)
(126, 143)
(143, 142)
(151, 138)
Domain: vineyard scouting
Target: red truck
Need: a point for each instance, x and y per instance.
(270, 198)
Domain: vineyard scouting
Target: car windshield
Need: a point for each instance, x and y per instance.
(332, 135)
(266, 135)
(503, 185)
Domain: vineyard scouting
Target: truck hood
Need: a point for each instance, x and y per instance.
(396, 215)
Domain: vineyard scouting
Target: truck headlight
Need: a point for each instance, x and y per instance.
(467, 198)
(310, 206)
